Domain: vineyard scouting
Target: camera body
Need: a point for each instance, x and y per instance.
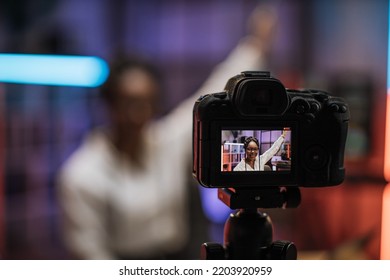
(301, 135)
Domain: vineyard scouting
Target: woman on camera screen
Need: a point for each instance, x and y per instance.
(254, 162)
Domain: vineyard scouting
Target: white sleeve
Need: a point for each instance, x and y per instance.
(240, 166)
(267, 155)
(246, 56)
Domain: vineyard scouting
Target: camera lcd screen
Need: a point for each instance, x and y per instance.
(264, 150)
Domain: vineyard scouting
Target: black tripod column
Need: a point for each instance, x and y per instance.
(247, 235)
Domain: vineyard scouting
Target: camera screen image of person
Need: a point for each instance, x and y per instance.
(263, 150)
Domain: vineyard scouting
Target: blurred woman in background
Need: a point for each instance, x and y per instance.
(125, 192)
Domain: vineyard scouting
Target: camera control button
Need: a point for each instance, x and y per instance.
(334, 107)
(299, 105)
(343, 108)
(315, 107)
(300, 109)
(316, 157)
(220, 95)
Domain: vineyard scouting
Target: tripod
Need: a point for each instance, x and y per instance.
(248, 232)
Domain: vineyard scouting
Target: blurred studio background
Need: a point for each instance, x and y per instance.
(335, 45)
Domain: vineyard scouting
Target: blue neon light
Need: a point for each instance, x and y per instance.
(56, 70)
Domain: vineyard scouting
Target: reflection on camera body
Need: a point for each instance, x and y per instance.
(298, 136)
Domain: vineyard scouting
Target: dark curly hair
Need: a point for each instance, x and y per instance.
(251, 139)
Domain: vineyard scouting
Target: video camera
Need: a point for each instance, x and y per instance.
(300, 135)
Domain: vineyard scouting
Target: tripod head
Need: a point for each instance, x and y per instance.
(248, 232)
(271, 197)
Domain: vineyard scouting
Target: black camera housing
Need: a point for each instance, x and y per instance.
(255, 101)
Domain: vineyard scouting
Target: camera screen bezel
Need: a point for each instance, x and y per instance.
(219, 178)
